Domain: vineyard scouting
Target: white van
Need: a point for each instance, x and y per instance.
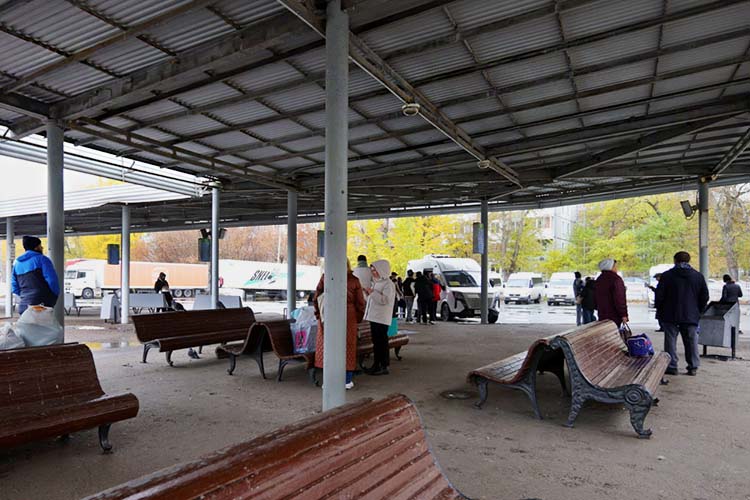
(461, 280)
(652, 272)
(560, 289)
(524, 287)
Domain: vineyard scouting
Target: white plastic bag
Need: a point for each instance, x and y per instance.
(9, 339)
(37, 326)
(304, 330)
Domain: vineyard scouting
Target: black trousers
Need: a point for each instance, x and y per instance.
(433, 310)
(380, 344)
(423, 310)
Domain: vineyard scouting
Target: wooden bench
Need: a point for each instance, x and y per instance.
(53, 391)
(367, 449)
(519, 372)
(279, 337)
(601, 370)
(255, 344)
(365, 347)
(171, 331)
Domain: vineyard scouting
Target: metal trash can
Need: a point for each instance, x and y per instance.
(719, 326)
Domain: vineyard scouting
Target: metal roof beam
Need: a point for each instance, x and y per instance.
(160, 76)
(737, 149)
(635, 145)
(25, 105)
(374, 65)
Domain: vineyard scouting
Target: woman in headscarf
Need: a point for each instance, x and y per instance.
(381, 297)
(355, 311)
(611, 302)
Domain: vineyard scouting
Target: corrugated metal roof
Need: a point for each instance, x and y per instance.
(606, 15)
(409, 31)
(470, 14)
(517, 39)
(712, 23)
(614, 48)
(703, 55)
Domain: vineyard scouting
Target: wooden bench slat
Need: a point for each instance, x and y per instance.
(368, 448)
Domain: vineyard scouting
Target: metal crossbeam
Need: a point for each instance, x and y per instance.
(739, 147)
(375, 66)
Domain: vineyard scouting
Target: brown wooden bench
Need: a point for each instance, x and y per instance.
(53, 391)
(279, 336)
(601, 370)
(365, 347)
(255, 344)
(171, 331)
(367, 449)
(519, 372)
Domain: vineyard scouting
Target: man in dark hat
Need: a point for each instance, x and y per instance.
(34, 278)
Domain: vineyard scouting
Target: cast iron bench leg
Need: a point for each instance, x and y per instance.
(232, 363)
(104, 438)
(312, 374)
(258, 356)
(575, 407)
(169, 358)
(482, 386)
(396, 351)
(282, 364)
(530, 391)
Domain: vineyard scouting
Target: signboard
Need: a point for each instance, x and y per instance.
(479, 244)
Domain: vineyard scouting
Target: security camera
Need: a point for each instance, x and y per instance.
(410, 109)
(484, 164)
(688, 209)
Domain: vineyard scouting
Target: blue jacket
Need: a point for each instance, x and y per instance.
(681, 296)
(34, 279)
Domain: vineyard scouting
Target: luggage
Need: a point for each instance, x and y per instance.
(640, 346)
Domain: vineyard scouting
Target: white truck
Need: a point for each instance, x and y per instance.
(89, 278)
(266, 278)
(523, 288)
(560, 289)
(652, 281)
(460, 279)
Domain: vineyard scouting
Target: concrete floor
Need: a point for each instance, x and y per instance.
(700, 448)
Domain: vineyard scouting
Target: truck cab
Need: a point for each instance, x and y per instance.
(81, 282)
(460, 280)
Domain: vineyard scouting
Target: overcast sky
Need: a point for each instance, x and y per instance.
(21, 179)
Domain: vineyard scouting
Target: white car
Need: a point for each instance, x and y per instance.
(523, 288)
(560, 289)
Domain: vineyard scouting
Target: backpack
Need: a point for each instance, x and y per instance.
(640, 346)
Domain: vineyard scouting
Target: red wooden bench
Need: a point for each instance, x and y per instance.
(52, 391)
(368, 449)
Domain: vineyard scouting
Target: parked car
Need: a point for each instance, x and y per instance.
(635, 288)
(560, 289)
(523, 288)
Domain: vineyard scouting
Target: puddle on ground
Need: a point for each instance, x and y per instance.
(100, 346)
(85, 327)
(458, 394)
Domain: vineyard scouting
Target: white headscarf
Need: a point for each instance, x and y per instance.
(606, 264)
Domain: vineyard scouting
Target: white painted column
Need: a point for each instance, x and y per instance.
(10, 254)
(291, 251)
(215, 199)
(703, 201)
(485, 274)
(125, 266)
(56, 210)
(337, 134)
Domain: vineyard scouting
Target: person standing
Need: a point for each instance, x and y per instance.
(611, 302)
(355, 311)
(408, 288)
(437, 290)
(588, 301)
(381, 298)
(162, 286)
(363, 273)
(731, 292)
(578, 285)
(423, 288)
(681, 296)
(401, 300)
(34, 278)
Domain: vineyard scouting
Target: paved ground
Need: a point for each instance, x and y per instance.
(700, 448)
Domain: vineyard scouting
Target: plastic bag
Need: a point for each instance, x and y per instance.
(304, 330)
(37, 326)
(9, 339)
(640, 346)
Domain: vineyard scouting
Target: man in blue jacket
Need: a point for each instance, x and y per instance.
(681, 297)
(34, 278)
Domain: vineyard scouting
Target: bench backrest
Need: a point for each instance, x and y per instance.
(595, 347)
(364, 334)
(365, 449)
(150, 327)
(35, 376)
(280, 335)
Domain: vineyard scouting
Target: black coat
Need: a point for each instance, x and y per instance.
(588, 296)
(681, 296)
(423, 287)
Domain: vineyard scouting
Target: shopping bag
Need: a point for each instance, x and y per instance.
(304, 330)
(640, 345)
(37, 326)
(393, 329)
(9, 339)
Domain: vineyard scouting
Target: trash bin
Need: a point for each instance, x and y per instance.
(719, 326)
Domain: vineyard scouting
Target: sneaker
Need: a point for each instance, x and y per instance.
(671, 371)
(692, 372)
(192, 354)
(350, 385)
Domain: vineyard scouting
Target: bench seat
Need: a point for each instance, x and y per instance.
(601, 370)
(364, 450)
(54, 391)
(519, 372)
(365, 346)
(255, 343)
(172, 331)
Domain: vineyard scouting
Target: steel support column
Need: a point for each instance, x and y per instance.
(337, 135)
(215, 199)
(125, 266)
(10, 247)
(485, 275)
(56, 209)
(703, 199)
(291, 251)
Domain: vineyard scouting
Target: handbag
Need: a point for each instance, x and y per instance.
(640, 346)
(393, 328)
